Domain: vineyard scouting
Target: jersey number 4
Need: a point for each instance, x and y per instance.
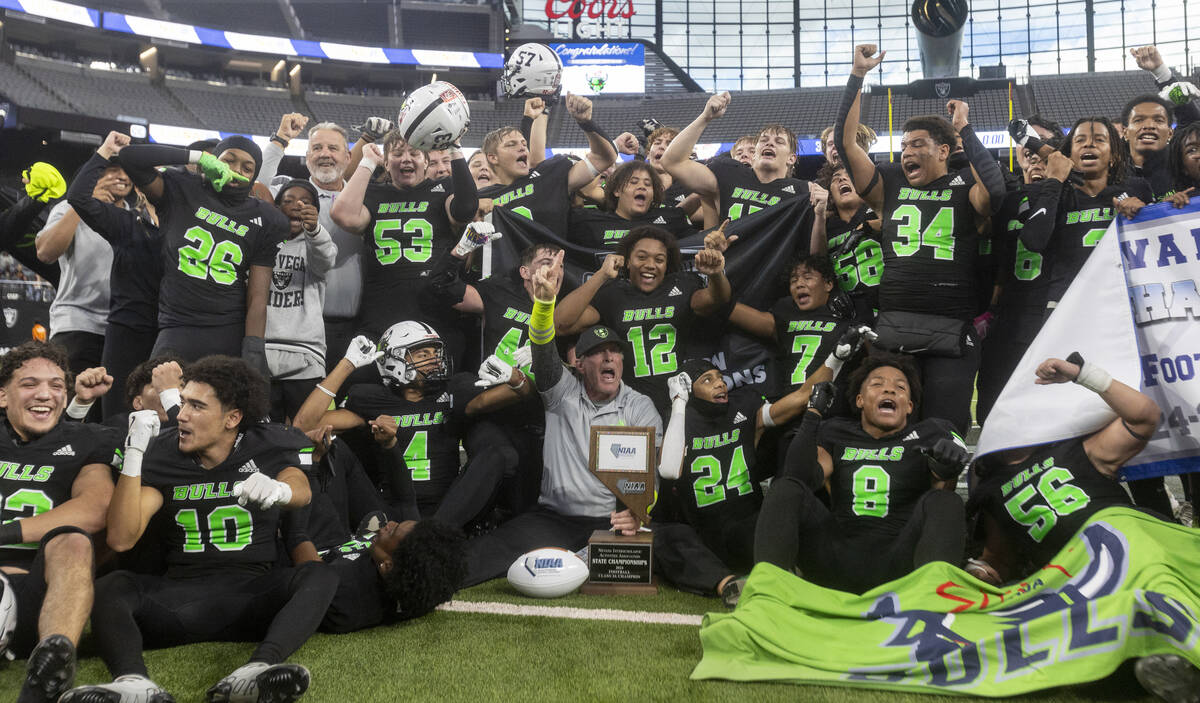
(389, 250)
(206, 259)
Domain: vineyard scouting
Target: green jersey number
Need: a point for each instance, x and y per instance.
(204, 259)
(736, 210)
(871, 486)
(27, 499)
(939, 234)
(1093, 236)
(389, 249)
(806, 346)
(863, 265)
(523, 211)
(1028, 264)
(1061, 499)
(708, 487)
(661, 358)
(221, 522)
(416, 456)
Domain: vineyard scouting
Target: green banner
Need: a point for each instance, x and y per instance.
(1127, 586)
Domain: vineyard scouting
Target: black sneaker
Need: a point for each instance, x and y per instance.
(1170, 677)
(258, 682)
(50, 671)
(732, 592)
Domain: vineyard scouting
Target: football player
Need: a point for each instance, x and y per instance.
(931, 227)
(218, 247)
(654, 308)
(891, 483)
(55, 490)
(543, 194)
(633, 196)
(852, 242)
(407, 224)
(223, 477)
(736, 189)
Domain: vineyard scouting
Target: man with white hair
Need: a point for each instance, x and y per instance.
(327, 156)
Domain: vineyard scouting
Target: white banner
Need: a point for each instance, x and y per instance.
(1132, 309)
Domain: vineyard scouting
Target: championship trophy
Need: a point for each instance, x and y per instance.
(623, 458)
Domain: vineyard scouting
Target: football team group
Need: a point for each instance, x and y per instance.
(246, 424)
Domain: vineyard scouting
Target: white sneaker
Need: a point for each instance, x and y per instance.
(258, 682)
(1170, 677)
(1186, 514)
(131, 688)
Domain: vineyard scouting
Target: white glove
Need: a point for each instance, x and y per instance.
(374, 128)
(263, 491)
(494, 371)
(474, 236)
(1180, 93)
(362, 352)
(143, 426)
(523, 357)
(679, 387)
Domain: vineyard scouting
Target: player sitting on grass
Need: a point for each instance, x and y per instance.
(222, 476)
(891, 483)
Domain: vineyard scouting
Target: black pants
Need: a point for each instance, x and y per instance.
(124, 348)
(84, 349)
(795, 529)
(30, 591)
(192, 343)
(359, 601)
(282, 607)
(1002, 351)
(697, 562)
(948, 384)
(490, 555)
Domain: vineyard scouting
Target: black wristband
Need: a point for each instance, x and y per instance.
(527, 128)
(280, 140)
(590, 126)
(849, 94)
(11, 533)
(1034, 144)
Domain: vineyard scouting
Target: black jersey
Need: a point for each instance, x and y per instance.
(720, 462)
(208, 248)
(541, 195)
(1024, 275)
(857, 258)
(1041, 502)
(930, 244)
(427, 431)
(1080, 225)
(507, 308)
(204, 525)
(876, 483)
(675, 195)
(657, 325)
(37, 476)
(599, 229)
(740, 193)
(804, 338)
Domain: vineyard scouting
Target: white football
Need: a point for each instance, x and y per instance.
(548, 572)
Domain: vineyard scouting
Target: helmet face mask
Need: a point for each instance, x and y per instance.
(533, 70)
(399, 343)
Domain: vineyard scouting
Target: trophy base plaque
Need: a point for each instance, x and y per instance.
(620, 565)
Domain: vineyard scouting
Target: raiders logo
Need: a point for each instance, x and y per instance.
(281, 279)
(942, 89)
(10, 317)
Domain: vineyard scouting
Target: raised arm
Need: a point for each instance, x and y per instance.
(462, 206)
(291, 126)
(547, 281)
(602, 154)
(348, 211)
(677, 159)
(315, 411)
(717, 294)
(133, 504)
(1137, 414)
(858, 162)
(987, 195)
(575, 313)
(1041, 218)
(535, 112)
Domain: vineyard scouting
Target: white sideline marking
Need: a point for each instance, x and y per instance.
(551, 611)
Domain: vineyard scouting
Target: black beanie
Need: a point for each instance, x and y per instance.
(237, 141)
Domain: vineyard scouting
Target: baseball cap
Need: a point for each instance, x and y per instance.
(595, 336)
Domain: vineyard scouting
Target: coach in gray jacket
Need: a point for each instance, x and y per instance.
(573, 502)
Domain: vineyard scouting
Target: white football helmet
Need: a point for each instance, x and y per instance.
(396, 343)
(532, 70)
(8, 614)
(434, 116)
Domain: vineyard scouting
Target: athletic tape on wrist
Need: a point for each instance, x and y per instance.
(170, 399)
(1094, 378)
(368, 163)
(1162, 74)
(77, 410)
(767, 421)
(131, 464)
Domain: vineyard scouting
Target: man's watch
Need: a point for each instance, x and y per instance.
(280, 140)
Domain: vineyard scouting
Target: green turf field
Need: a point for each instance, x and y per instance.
(454, 656)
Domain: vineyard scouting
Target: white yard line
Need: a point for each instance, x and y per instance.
(552, 611)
